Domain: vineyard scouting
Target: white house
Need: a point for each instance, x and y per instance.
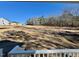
(3, 21)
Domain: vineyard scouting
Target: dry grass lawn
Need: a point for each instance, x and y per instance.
(43, 37)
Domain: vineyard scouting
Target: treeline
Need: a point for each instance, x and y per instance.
(67, 18)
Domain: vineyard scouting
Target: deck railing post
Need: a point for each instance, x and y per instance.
(55, 54)
(38, 55)
(51, 54)
(43, 55)
(77, 54)
(73, 54)
(64, 54)
(29, 55)
(60, 55)
(34, 55)
(47, 54)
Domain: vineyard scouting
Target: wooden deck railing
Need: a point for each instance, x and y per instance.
(47, 53)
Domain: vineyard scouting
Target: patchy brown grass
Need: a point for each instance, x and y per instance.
(42, 37)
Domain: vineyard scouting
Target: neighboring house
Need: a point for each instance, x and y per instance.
(15, 23)
(3, 21)
(20, 52)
